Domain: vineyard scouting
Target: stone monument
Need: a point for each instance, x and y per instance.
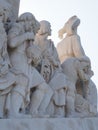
(42, 86)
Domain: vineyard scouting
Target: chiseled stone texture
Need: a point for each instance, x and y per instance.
(50, 124)
(15, 8)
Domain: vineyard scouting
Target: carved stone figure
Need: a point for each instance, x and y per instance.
(35, 80)
(10, 81)
(7, 78)
(70, 47)
(72, 68)
(51, 69)
(75, 71)
(21, 37)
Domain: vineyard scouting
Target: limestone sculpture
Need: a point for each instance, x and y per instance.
(53, 73)
(70, 46)
(20, 38)
(36, 79)
(9, 79)
(70, 52)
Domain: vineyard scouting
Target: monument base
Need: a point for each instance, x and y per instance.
(49, 124)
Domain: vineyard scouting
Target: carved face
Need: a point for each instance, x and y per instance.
(29, 22)
(45, 28)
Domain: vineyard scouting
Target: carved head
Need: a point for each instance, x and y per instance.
(45, 28)
(29, 22)
(86, 65)
(70, 26)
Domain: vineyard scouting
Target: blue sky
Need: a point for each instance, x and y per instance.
(57, 13)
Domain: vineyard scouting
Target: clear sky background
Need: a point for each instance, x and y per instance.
(57, 12)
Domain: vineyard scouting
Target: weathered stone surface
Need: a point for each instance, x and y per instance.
(31, 71)
(14, 7)
(50, 124)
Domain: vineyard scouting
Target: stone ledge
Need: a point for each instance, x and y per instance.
(49, 124)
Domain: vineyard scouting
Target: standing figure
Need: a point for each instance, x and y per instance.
(8, 80)
(69, 48)
(21, 37)
(51, 69)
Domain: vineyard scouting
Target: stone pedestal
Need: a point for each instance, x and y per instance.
(49, 124)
